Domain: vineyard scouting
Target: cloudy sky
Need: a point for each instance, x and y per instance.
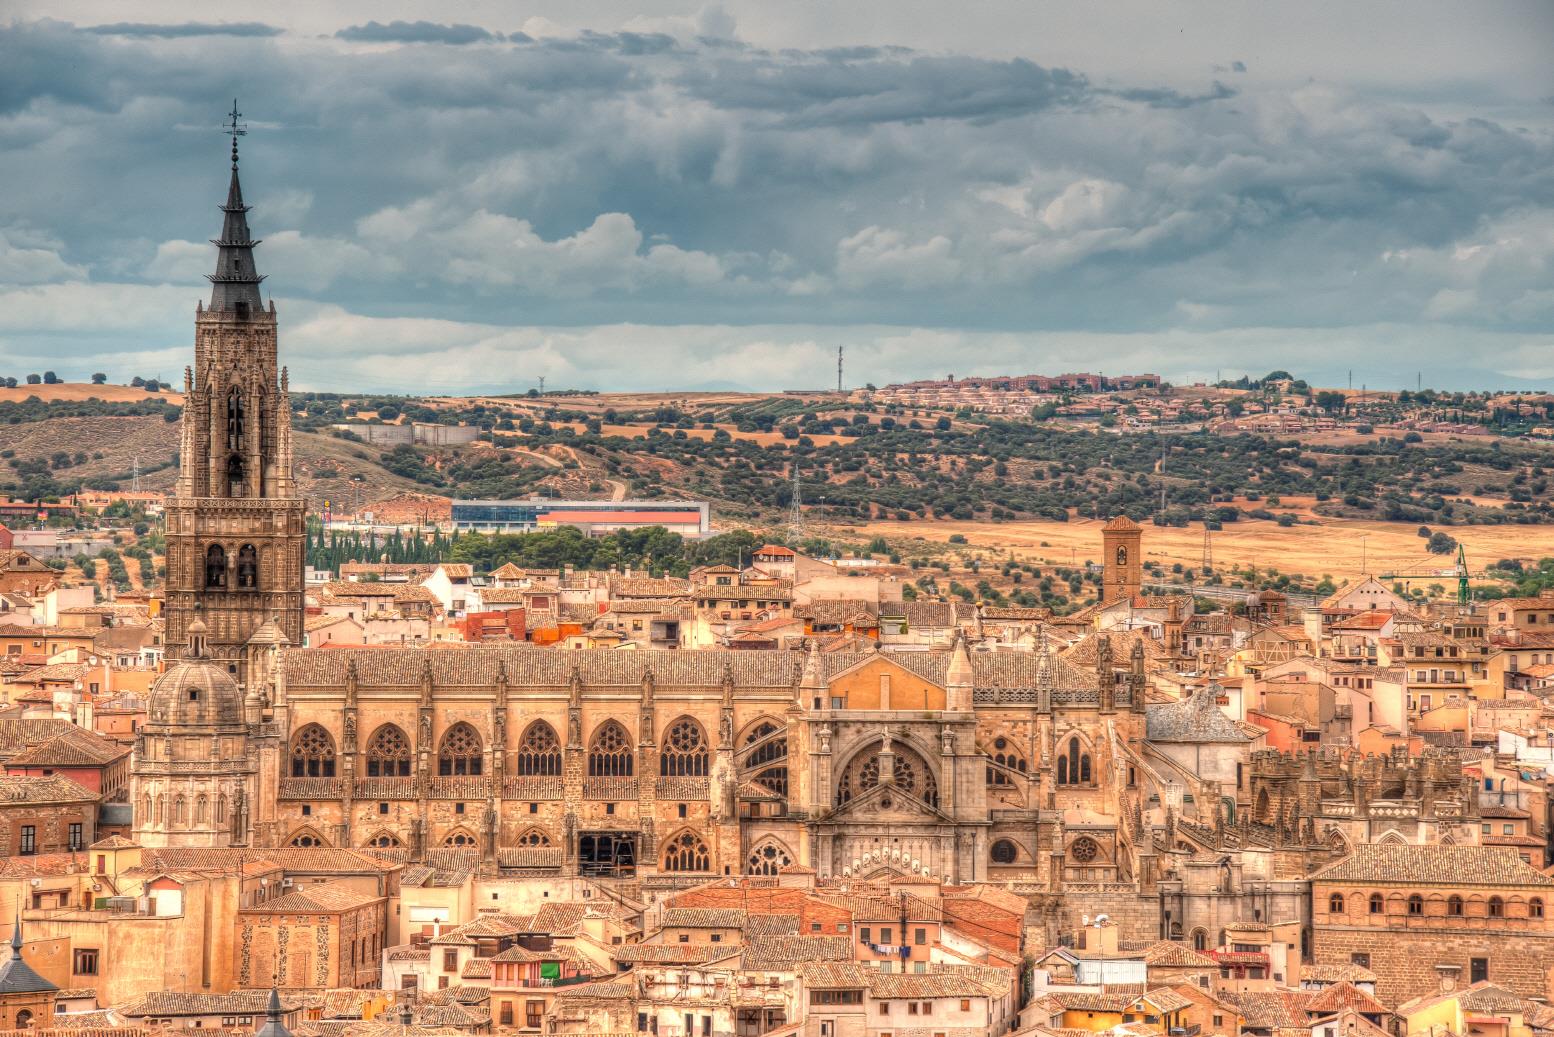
(643, 195)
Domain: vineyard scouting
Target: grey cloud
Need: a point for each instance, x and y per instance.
(416, 32)
(184, 29)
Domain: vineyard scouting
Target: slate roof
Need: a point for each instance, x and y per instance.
(1196, 718)
(18, 977)
(1434, 865)
(528, 666)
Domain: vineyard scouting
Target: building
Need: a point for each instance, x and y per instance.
(1122, 559)
(46, 815)
(1418, 915)
(26, 998)
(235, 523)
(688, 518)
(330, 935)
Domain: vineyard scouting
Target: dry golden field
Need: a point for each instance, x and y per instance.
(74, 392)
(1334, 548)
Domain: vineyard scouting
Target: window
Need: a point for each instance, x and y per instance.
(1074, 765)
(884, 1008)
(1003, 852)
(450, 960)
(1360, 958)
(85, 963)
(215, 567)
(685, 750)
(1535, 907)
(1335, 904)
(459, 753)
(920, 937)
(388, 753)
(863, 935)
(1507, 829)
(686, 852)
(1496, 907)
(1478, 970)
(1454, 906)
(1416, 904)
(539, 751)
(75, 835)
(247, 567)
(29, 840)
(885, 935)
(1377, 904)
(609, 754)
(505, 1017)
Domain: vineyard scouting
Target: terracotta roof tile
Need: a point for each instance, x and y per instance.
(1378, 864)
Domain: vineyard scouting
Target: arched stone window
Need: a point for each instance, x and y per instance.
(221, 809)
(768, 762)
(1416, 904)
(1085, 850)
(180, 807)
(146, 809)
(459, 753)
(767, 859)
(1335, 904)
(215, 567)
(459, 838)
(247, 567)
(306, 838)
(201, 808)
(388, 753)
(533, 837)
(383, 841)
(609, 754)
(685, 750)
(1377, 904)
(539, 752)
(1200, 940)
(1454, 906)
(1496, 907)
(1535, 907)
(1004, 852)
(1004, 755)
(686, 852)
(911, 775)
(312, 753)
(24, 1019)
(1074, 764)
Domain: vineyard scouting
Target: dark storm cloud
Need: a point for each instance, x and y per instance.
(464, 196)
(185, 29)
(416, 32)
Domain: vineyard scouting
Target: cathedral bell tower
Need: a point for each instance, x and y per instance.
(235, 525)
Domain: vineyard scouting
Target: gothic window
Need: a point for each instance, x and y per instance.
(145, 810)
(312, 753)
(767, 859)
(234, 420)
(388, 753)
(1084, 850)
(533, 837)
(540, 751)
(1454, 906)
(201, 809)
(383, 841)
(235, 474)
(609, 755)
(247, 567)
(1006, 759)
(911, 776)
(460, 751)
(1074, 765)
(221, 809)
(1335, 904)
(459, 839)
(1004, 852)
(215, 567)
(306, 839)
(1200, 940)
(685, 750)
(767, 763)
(686, 852)
(180, 808)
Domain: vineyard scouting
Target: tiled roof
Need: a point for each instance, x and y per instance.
(1377, 864)
(296, 859)
(671, 953)
(785, 953)
(1195, 719)
(1171, 954)
(703, 918)
(1267, 1010)
(320, 899)
(1093, 1001)
(476, 968)
(757, 926)
(1340, 996)
(79, 748)
(52, 789)
(237, 1002)
(1345, 972)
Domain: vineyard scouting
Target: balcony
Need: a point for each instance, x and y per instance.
(613, 788)
(533, 788)
(682, 788)
(464, 786)
(385, 788)
(311, 788)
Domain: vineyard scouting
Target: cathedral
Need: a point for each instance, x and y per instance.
(966, 764)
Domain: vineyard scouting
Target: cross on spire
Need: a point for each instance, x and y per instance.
(234, 130)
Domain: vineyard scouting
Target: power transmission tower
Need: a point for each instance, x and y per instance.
(838, 368)
(135, 475)
(542, 385)
(1208, 550)
(796, 511)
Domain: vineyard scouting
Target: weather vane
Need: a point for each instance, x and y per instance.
(234, 130)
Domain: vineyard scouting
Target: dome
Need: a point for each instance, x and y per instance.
(195, 691)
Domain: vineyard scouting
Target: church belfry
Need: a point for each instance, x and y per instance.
(235, 526)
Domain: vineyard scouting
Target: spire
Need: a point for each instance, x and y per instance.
(273, 1025)
(235, 284)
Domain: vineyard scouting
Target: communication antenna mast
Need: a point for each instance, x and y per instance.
(542, 385)
(838, 368)
(796, 510)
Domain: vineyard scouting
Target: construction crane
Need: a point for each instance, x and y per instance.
(1428, 571)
